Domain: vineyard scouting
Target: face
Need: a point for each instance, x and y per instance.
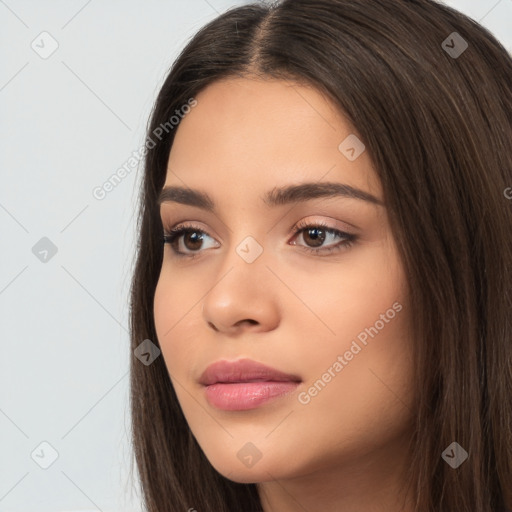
(309, 284)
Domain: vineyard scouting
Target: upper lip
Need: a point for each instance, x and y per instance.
(243, 370)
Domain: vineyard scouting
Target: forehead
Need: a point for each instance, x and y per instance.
(252, 133)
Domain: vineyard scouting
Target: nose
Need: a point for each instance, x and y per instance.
(243, 298)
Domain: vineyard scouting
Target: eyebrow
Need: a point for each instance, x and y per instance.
(275, 197)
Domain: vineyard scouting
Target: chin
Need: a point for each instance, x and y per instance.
(236, 472)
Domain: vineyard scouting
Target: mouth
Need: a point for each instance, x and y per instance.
(245, 384)
(241, 396)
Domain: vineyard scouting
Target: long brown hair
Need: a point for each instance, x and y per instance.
(434, 110)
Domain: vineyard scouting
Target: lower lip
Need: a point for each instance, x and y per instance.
(241, 396)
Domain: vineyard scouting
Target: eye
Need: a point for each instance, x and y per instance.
(315, 234)
(193, 239)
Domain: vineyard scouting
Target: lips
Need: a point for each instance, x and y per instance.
(243, 370)
(245, 384)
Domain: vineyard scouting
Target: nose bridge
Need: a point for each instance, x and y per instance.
(249, 249)
(247, 234)
(241, 292)
(244, 262)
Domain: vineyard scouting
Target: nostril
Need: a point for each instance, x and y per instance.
(249, 320)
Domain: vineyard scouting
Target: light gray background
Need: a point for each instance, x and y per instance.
(68, 122)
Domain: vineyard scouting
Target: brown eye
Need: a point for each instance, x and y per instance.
(315, 236)
(192, 243)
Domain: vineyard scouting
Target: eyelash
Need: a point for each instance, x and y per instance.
(170, 236)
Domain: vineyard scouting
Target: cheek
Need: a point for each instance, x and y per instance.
(177, 295)
(366, 404)
(176, 322)
(344, 300)
(365, 321)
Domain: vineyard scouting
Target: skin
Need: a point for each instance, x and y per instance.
(290, 309)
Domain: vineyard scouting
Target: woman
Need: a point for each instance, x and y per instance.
(325, 264)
